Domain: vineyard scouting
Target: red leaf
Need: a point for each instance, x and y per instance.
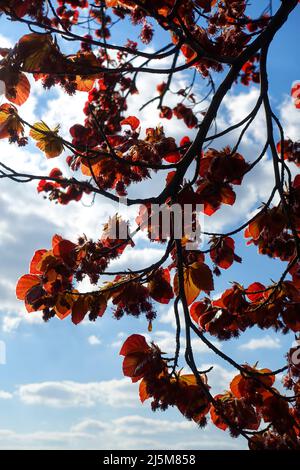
(170, 176)
(134, 344)
(132, 121)
(202, 276)
(295, 92)
(79, 309)
(172, 157)
(160, 288)
(56, 239)
(255, 287)
(21, 91)
(184, 141)
(65, 250)
(222, 253)
(216, 418)
(296, 182)
(196, 310)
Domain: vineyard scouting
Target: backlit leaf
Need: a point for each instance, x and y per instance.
(134, 344)
(25, 283)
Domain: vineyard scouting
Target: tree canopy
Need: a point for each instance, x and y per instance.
(218, 44)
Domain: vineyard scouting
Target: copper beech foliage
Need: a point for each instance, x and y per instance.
(214, 42)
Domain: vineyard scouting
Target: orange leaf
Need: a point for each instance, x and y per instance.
(188, 379)
(36, 260)
(33, 298)
(254, 229)
(63, 305)
(235, 386)
(191, 291)
(144, 395)
(25, 283)
(84, 83)
(133, 366)
(47, 260)
(170, 176)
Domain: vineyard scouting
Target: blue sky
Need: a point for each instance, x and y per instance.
(62, 386)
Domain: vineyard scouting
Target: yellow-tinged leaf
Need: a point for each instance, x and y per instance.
(190, 379)
(47, 139)
(197, 277)
(40, 130)
(37, 51)
(9, 121)
(191, 291)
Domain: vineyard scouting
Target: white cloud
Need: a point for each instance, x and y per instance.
(116, 393)
(135, 258)
(5, 42)
(238, 106)
(167, 342)
(135, 424)
(93, 340)
(118, 343)
(10, 323)
(127, 432)
(167, 316)
(219, 377)
(267, 342)
(5, 395)
(64, 110)
(90, 426)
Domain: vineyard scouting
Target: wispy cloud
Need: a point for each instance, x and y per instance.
(267, 342)
(93, 340)
(117, 393)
